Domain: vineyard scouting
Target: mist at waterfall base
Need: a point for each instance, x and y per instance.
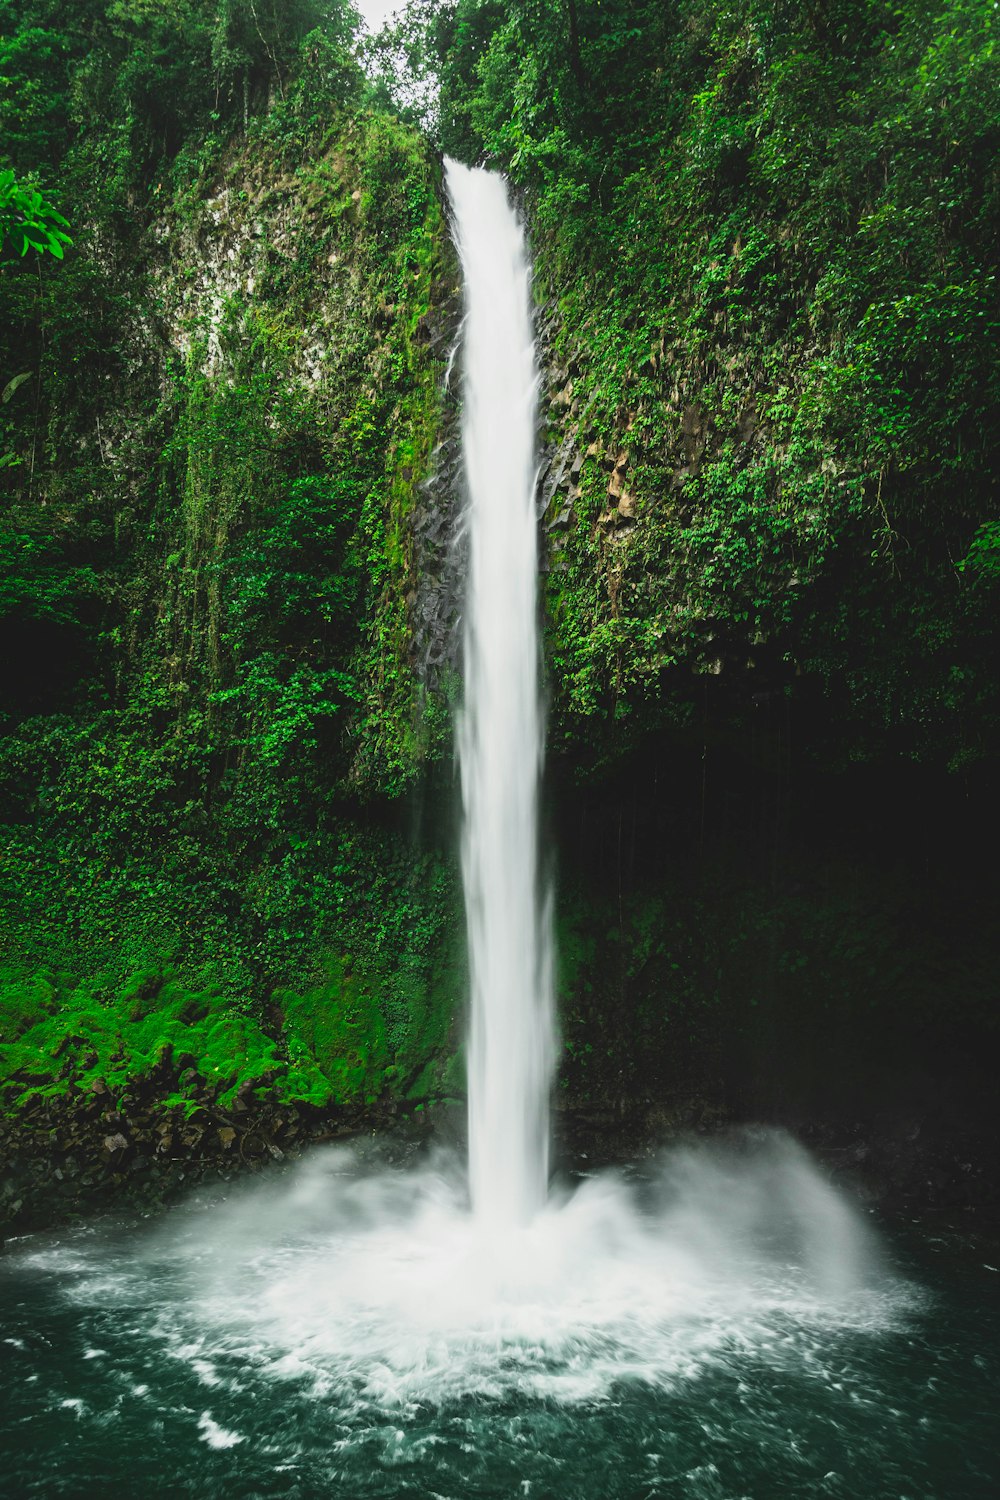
(725, 1325)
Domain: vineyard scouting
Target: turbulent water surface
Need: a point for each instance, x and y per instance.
(727, 1327)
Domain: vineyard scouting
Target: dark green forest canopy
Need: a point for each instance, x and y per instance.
(766, 243)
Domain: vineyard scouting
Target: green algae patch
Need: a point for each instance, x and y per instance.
(424, 1000)
(338, 1011)
(336, 1039)
(325, 1045)
(57, 1033)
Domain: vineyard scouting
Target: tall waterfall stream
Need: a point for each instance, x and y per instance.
(501, 732)
(724, 1324)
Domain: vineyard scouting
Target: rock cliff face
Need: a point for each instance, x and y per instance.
(306, 306)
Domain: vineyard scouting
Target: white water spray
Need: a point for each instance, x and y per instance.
(500, 734)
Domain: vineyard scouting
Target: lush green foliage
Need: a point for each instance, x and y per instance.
(206, 553)
(154, 1030)
(766, 240)
(771, 231)
(27, 222)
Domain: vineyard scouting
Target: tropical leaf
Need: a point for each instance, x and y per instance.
(14, 385)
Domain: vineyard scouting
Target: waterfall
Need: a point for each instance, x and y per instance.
(501, 730)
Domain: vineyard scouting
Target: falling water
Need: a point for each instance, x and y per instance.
(501, 729)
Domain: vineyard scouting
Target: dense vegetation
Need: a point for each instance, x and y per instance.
(221, 408)
(771, 232)
(767, 240)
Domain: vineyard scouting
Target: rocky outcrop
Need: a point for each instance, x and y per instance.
(79, 1153)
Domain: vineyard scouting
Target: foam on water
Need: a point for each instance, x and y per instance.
(214, 1435)
(381, 1291)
